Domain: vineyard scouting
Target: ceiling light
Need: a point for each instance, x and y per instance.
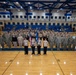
(16, 2)
(11, 7)
(18, 9)
(29, 3)
(61, 8)
(30, 7)
(21, 7)
(4, 2)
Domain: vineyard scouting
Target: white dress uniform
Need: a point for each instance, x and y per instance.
(39, 46)
(33, 46)
(20, 40)
(26, 46)
(45, 44)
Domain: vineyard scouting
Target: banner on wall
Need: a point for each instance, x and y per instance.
(5, 13)
(48, 14)
(29, 14)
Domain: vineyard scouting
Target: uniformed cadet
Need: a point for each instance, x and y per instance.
(26, 46)
(20, 40)
(74, 43)
(70, 41)
(39, 46)
(51, 41)
(58, 41)
(1, 41)
(8, 40)
(65, 44)
(40, 35)
(33, 43)
(14, 40)
(45, 45)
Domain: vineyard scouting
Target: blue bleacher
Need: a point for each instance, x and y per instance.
(58, 27)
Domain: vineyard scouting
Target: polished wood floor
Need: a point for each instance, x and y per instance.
(54, 63)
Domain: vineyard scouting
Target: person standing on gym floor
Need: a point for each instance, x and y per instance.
(45, 44)
(26, 46)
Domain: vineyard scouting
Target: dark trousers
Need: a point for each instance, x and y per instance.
(38, 48)
(45, 49)
(33, 49)
(26, 49)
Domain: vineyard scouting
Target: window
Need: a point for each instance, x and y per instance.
(46, 17)
(12, 16)
(44, 23)
(58, 23)
(66, 23)
(23, 23)
(53, 23)
(30, 17)
(68, 17)
(49, 24)
(59, 17)
(9, 23)
(62, 23)
(24, 16)
(18, 23)
(0, 16)
(4, 16)
(40, 23)
(1, 23)
(55, 17)
(51, 17)
(63, 17)
(42, 17)
(38, 17)
(27, 23)
(21, 16)
(8, 16)
(16, 16)
(36, 23)
(31, 23)
(13, 23)
(34, 16)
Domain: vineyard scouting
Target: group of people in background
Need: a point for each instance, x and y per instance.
(21, 37)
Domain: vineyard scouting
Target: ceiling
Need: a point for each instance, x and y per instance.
(48, 5)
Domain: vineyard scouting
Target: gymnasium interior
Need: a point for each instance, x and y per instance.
(54, 20)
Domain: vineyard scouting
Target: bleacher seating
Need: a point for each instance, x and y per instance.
(56, 27)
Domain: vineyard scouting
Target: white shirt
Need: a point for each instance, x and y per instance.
(45, 43)
(20, 39)
(25, 42)
(33, 42)
(39, 42)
